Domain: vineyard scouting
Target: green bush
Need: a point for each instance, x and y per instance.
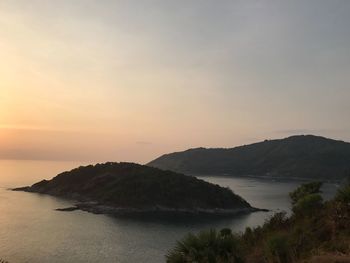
(277, 248)
(304, 190)
(277, 221)
(208, 247)
(225, 232)
(343, 194)
(308, 205)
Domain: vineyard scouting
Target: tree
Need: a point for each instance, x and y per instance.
(208, 246)
(343, 194)
(304, 190)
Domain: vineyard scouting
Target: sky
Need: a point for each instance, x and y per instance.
(131, 80)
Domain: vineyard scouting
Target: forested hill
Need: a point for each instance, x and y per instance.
(130, 185)
(303, 156)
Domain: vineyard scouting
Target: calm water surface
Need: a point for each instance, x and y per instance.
(32, 231)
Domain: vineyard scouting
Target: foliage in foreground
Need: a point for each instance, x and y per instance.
(314, 228)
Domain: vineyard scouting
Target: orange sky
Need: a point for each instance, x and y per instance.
(115, 80)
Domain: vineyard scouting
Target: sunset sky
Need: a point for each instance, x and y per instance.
(131, 80)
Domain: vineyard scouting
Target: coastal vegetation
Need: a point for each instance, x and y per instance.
(316, 231)
(130, 186)
(309, 157)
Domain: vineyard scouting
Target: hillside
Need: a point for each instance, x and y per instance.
(304, 156)
(316, 231)
(132, 187)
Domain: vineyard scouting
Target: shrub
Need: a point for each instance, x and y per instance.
(207, 246)
(343, 194)
(277, 248)
(225, 232)
(304, 190)
(308, 205)
(277, 221)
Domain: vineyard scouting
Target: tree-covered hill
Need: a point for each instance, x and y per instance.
(304, 156)
(129, 185)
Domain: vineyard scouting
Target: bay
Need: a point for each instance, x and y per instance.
(31, 230)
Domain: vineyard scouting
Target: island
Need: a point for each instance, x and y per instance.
(123, 188)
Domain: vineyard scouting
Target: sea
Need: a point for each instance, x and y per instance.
(32, 231)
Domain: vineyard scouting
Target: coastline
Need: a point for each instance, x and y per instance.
(95, 207)
(269, 177)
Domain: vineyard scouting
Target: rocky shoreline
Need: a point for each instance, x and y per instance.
(97, 208)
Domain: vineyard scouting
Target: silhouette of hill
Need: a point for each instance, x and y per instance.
(126, 186)
(303, 156)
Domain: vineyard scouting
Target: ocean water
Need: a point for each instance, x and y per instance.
(32, 231)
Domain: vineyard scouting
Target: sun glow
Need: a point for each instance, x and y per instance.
(103, 78)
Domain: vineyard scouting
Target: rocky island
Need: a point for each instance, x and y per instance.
(118, 188)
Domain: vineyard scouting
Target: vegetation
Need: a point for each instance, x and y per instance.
(306, 199)
(343, 195)
(207, 246)
(305, 190)
(308, 156)
(130, 185)
(316, 231)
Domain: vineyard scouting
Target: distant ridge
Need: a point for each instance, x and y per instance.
(300, 156)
